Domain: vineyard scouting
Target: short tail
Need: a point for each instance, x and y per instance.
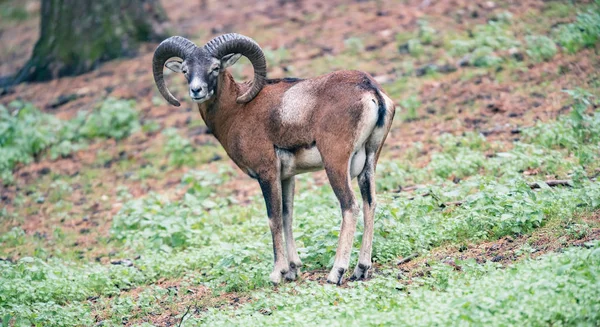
(370, 85)
(382, 111)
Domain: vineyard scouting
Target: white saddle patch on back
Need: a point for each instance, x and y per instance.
(297, 104)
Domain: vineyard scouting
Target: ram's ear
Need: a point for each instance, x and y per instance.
(230, 59)
(174, 65)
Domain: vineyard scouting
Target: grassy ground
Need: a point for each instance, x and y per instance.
(119, 210)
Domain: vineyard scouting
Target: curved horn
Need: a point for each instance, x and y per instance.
(236, 43)
(175, 46)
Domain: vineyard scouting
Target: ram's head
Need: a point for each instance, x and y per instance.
(202, 66)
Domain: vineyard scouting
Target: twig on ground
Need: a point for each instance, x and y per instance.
(408, 258)
(185, 314)
(411, 188)
(423, 195)
(552, 183)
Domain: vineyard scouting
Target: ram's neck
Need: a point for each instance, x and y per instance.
(218, 113)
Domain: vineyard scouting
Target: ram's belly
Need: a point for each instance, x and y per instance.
(300, 161)
(307, 160)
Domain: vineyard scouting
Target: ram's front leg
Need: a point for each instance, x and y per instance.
(271, 189)
(287, 190)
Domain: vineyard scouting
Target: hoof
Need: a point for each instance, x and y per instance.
(275, 277)
(291, 275)
(361, 271)
(336, 275)
(278, 273)
(294, 271)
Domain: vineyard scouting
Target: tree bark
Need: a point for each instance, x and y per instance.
(77, 35)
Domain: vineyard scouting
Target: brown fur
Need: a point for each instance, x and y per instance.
(244, 128)
(252, 133)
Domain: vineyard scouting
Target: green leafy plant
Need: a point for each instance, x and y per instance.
(427, 34)
(583, 33)
(179, 149)
(481, 49)
(275, 57)
(540, 48)
(113, 119)
(25, 132)
(410, 104)
(354, 45)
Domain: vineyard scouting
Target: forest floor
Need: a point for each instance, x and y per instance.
(142, 218)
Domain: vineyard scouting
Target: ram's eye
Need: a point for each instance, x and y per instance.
(184, 71)
(215, 70)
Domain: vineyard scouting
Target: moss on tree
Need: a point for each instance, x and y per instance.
(77, 35)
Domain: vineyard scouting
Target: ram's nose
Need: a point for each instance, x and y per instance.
(196, 91)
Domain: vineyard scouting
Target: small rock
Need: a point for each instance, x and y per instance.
(497, 258)
(216, 157)
(124, 262)
(40, 199)
(62, 99)
(44, 171)
(516, 54)
(447, 68)
(425, 69)
(464, 61)
(403, 48)
(386, 33)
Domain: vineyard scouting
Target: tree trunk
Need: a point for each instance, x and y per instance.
(77, 35)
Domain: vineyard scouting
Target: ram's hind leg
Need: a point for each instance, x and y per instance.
(366, 182)
(339, 178)
(287, 191)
